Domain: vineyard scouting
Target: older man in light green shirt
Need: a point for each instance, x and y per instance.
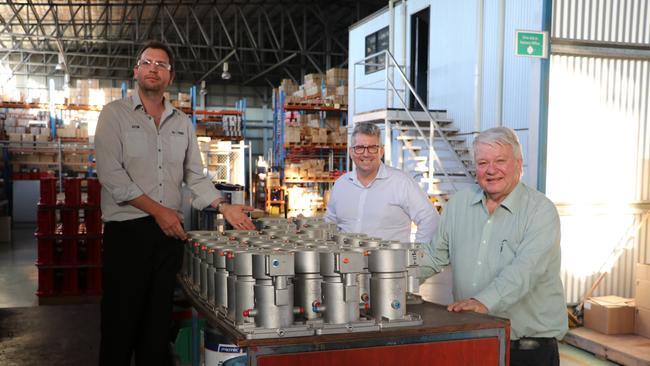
(503, 242)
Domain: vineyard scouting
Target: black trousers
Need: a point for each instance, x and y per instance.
(139, 275)
(534, 352)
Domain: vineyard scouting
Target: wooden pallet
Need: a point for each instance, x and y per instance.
(628, 349)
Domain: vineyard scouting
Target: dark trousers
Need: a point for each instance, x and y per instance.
(139, 275)
(534, 352)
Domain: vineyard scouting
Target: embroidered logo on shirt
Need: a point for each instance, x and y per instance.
(178, 133)
(135, 126)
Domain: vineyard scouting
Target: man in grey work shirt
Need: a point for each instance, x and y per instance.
(503, 242)
(378, 200)
(146, 150)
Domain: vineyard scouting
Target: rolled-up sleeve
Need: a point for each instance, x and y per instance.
(110, 168)
(202, 188)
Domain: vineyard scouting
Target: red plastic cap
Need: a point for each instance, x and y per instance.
(246, 312)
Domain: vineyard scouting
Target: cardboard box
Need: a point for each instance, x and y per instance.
(610, 314)
(642, 322)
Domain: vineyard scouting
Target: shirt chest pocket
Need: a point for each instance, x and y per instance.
(508, 248)
(177, 148)
(136, 143)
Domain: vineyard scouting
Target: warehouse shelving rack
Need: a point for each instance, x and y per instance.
(288, 151)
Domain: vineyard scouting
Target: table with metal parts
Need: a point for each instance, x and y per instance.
(444, 338)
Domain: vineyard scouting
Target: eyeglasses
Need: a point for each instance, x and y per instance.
(372, 149)
(148, 64)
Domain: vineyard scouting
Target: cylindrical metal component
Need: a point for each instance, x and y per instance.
(236, 234)
(387, 283)
(340, 292)
(307, 283)
(387, 260)
(388, 300)
(196, 264)
(363, 279)
(220, 275)
(203, 265)
(273, 290)
(414, 257)
(354, 240)
(272, 222)
(370, 242)
(239, 264)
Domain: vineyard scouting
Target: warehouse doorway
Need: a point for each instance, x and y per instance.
(419, 57)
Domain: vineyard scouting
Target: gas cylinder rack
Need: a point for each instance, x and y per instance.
(69, 236)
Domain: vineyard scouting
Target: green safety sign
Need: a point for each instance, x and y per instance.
(531, 43)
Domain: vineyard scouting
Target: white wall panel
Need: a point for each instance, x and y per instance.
(599, 167)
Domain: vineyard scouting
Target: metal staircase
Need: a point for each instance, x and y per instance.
(428, 145)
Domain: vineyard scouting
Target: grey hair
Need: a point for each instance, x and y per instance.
(366, 128)
(499, 136)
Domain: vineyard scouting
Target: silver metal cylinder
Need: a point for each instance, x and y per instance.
(414, 260)
(203, 265)
(370, 242)
(219, 256)
(363, 279)
(354, 240)
(239, 264)
(307, 283)
(387, 283)
(339, 289)
(196, 264)
(273, 289)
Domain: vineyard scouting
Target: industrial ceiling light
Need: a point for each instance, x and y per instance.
(60, 66)
(225, 74)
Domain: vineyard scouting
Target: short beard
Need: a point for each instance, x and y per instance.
(151, 90)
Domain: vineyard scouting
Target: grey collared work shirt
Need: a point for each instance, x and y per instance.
(509, 260)
(135, 158)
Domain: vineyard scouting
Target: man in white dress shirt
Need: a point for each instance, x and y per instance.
(378, 200)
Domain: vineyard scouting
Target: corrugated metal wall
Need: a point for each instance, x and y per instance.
(625, 21)
(599, 140)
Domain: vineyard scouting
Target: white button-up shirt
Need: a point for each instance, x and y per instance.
(135, 158)
(384, 209)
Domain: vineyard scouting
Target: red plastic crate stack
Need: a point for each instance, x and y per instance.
(69, 235)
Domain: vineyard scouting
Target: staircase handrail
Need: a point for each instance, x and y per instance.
(425, 108)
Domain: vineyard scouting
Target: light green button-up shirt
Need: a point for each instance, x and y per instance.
(509, 260)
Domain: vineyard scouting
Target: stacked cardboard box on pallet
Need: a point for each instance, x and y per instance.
(331, 88)
(69, 248)
(306, 169)
(304, 135)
